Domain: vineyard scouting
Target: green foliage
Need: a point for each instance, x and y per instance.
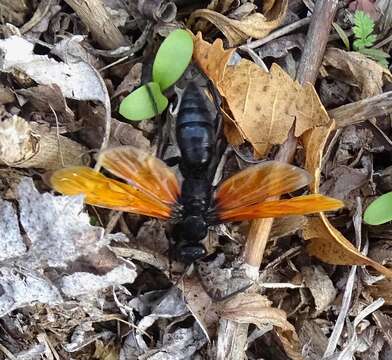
(365, 39)
(144, 103)
(342, 34)
(379, 211)
(171, 61)
(172, 58)
(363, 31)
(376, 55)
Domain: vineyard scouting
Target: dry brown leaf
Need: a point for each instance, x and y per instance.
(327, 243)
(290, 343)
(265, 105)
(212, 58)
(265, 117)
(256, 309)
(314, 142)
(368, 75)
(287, 226)
(200, 304)
(268, 5)
(255, 25)
(220, 6)
(382, 289)
(320, 286)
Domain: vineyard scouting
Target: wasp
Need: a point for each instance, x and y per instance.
(152, 188)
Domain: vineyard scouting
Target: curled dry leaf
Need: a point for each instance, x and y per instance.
(200, 305)
(83, 283)
(256, 309)
(314, 142)
(50, 99)
(255, 25)
(351, 66)
(76, 80)
(320, 286)
(263, 105)
(326, 242)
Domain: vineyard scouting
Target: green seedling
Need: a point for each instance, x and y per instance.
(171, 61)
(379, 211)
(364, 38)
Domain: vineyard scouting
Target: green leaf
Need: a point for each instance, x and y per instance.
(342, 34)
(363, 43)
(364, 25)
(172, 58)
(380, 210)
(377, 55)
(363, 29)
(144, 103)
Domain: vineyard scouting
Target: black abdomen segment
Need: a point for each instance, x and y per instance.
(195, 131)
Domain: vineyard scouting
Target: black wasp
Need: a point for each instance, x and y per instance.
(153, 189)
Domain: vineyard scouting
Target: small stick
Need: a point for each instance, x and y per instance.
(277, 34)
(362, 110)
(97, 19)
(232, 336)
(316, 40)
(26, 144)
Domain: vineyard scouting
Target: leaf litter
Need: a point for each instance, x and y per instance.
(83, 282)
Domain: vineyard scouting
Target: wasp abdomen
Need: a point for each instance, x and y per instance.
(195, 130)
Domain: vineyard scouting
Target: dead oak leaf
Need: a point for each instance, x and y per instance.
(265, 105)
(326, 242)
(351, 66)
(255, 25)
(212, 59)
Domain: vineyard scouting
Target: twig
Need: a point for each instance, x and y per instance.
(232, 336)
(96, 18)
(362, 110)
(114, 217)
(316, 41)
(31, 145)
(125, 51)
(346, 301)
(7, 353)
(277, 34)
(58, 135)
(108, 113)
(39, 14)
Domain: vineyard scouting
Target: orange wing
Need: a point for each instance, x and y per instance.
(243, 196)
(143, 171)
(301, 205)
(256, 183)
(153, 190)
